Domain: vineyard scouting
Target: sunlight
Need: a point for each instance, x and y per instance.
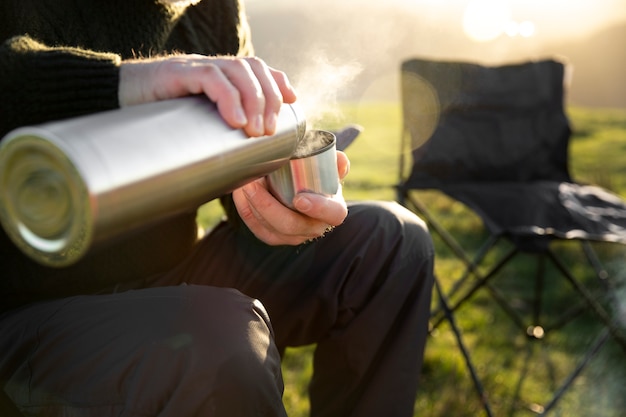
(485, 20)
(525, 29)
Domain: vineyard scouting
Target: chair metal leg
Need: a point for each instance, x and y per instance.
(593, 304)
(593, 350)
(538, 328)
(582, 306)
(483, 281)
(464, 351)
(593, 259)
(601, 273)
(432, 223)
(444, 306)
(539, 288)
(567, 316)
(471, 268)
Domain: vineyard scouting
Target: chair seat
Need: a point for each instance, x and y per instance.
(541, 209)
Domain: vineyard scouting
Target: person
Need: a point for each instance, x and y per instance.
(165, 324)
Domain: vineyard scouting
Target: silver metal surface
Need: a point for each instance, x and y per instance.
(312, 169)
(66, 186)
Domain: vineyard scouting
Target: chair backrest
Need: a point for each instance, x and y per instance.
(470, 123)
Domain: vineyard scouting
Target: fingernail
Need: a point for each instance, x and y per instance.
(270, 123)
(346, 170)
(240, 117)
(302, 203)
(257, 124)
(249, 190)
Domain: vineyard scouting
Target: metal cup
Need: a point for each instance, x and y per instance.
(312, 168)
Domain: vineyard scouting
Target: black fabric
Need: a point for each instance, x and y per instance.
(499, 144)
(493, 123)
(362, 294)
(331, 292)
(532, 214)
(51, 67)
(171, 351)
(347, 135)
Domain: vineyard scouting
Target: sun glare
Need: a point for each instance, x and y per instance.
(486, 20)
(525, 29)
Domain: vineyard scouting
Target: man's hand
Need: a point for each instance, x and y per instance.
(248, 93)
(275, 224)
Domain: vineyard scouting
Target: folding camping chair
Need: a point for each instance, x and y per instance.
(496, 139)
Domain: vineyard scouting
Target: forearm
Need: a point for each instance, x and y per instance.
(39, 83)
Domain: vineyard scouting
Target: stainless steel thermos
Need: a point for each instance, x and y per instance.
(68, 185)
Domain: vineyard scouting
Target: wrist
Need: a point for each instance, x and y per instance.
(129, 89)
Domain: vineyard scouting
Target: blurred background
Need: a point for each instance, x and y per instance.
(344, 58)
(354, 47)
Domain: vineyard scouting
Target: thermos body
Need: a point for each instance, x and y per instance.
(68, 185)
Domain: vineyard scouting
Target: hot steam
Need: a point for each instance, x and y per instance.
(319, 85)
(313, 142)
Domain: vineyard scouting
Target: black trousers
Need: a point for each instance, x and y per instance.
(204, 339)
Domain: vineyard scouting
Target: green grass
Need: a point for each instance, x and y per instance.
(518, 373)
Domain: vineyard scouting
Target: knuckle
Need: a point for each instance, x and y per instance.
(255, 61)
(238, 65)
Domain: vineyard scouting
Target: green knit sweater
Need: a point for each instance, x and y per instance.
(59, 59)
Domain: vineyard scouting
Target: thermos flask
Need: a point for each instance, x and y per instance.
(68, 185)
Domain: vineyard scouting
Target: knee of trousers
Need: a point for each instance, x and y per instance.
(227, 332)
(383, 221)
(156, 351)
(218, 352)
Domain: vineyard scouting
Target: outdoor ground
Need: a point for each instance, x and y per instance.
(519, 373)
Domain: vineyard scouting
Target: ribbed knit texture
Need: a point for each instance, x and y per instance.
(54, 83)
(60, 59)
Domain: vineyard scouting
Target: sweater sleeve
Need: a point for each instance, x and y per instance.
(39, 83)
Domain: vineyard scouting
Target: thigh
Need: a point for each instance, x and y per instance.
(141, 352)
(310, 289)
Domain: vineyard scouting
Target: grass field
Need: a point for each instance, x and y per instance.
(520, 374)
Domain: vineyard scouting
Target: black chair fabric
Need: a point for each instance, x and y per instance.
(496, 138)
(500, 145)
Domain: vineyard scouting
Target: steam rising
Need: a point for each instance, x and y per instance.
(319, 85)
(313, 142)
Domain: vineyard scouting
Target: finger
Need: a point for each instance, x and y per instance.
(255, 91)
(269, 220)
(271, 92)
(247, 92)
(343, 164)
(285, 87)
(195, 74)
(227, 97)
(328, 210)
(254, 220)
(276, 216)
